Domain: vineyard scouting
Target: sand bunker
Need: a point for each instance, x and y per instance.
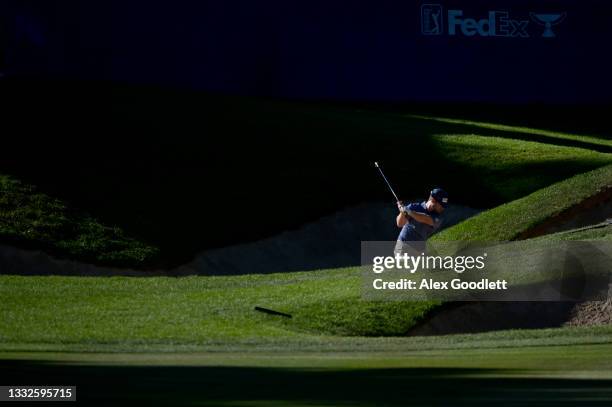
(332, 241)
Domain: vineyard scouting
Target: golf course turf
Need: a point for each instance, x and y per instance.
(552, 375)
(165, 176)
(198, 340)
(125, 311)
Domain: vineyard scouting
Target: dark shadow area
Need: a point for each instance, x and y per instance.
(585, 119)
(590, 212)
(230, 386)
(510, 181)
(473, 317)
(186, 171)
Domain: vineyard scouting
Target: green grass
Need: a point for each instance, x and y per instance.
(601, 231)
(200, 335)
(219, 309)
(123, 311)
(500, 169)
(33, 219)
(568, 366)
(511, 168)
(76, 311)
(158, 314)
(519, 132)
(372, 353)
(508, 221)
(276, 366)
(306, 344)
(209, 309)
(116, 338)
(503, 168)
(193, 161)
(554, 375)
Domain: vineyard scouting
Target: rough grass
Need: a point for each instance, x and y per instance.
(508, 221)
(33, 219)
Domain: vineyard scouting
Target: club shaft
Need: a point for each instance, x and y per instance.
(388, 184)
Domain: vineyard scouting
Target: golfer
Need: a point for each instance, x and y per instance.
(419, 220)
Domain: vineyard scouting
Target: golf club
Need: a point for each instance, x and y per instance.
(386, 180)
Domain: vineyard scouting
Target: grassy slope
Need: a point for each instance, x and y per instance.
(172, 169)
(513, 168)
(599, 143)
(204, 311)
(208, 337)
(601, 231)
(507, 221)
(33, 219)
(208, 309)
(124, 311)
(214, 315)
(325, 302)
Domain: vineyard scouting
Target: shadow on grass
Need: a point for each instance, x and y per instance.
(470, 128)
(183, 171)
(120, 385)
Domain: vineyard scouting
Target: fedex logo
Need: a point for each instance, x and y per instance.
(494, 23)
(497, 23)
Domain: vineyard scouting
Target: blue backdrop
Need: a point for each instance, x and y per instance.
(376, 50)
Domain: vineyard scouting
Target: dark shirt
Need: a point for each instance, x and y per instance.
(417, 231)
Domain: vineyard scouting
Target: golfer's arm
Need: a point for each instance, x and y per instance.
(401, 220)
(422, 218)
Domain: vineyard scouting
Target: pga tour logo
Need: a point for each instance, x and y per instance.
(493, 24)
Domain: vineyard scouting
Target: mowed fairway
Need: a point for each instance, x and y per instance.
(552, 375)
(123, 310)
(198, 340)
(71, 311)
